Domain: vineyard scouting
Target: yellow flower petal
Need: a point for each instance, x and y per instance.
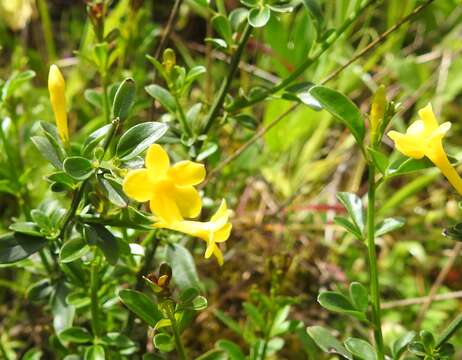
(188, 200)
(157, 161)
(219, 255)
(429, 118)
(138, 186)
(163, 205)
(57, 88)
(210, 249)
(408, 145)
(222, 234)
(222, 212)
(192, 228)
(186, 173)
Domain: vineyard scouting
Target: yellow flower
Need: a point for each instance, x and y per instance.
(424, 138)
(57, 87)
(215, 231)
(169, 189)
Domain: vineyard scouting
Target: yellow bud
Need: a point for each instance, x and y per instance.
(379, 103)
(57, 87)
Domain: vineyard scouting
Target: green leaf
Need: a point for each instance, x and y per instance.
(28, 228)
(95, 352)
(343, 109)
(94, 97)
(280, 325)
(259, 17)
(163, 96)
(314, 9)
(32, 354)
(199, 303)
(247, 121)
(254, 314)
(359, 296)
(138, 138)
(301, 93)
(380, 160)
(360, 348)
(17, 246)
(223, 27)
(48, 151)
(388, 225)
(228, 321)
(183, 266)
(334, 301)
(232, 349)
(73, 249)
(406, 165)
(215, 354)
(77, 335)
(113, 191)
(117, 340)
(400, 345)
(141, 305)
(354, 207)
(92, 141)
(78, 167)
(14, 82)
(63, 313)
(123, 99)
(337, 302)
(327, 342)
(39, 290)
(97, 234)
(348, 226)
(164, 342)
(237, 17)
(194, 73)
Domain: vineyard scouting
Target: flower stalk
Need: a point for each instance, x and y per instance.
(372, 256)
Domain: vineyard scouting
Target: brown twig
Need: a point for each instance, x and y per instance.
(438, 282)
(420, 300)
(168, 28)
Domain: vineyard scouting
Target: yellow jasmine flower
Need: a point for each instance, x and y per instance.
(169, 189)
(57, 87)
(215, 231)
(424, 138)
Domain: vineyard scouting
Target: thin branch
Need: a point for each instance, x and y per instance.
(168, 28)
(438, 282)
(421, 300)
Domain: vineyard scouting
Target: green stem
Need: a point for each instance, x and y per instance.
(220, 98)
(307, 63)
(176, 333)
(81, 189)
(182, 116)
(47, 29)
(374, 277)
(151, 243)
(452, 328)
(107, 113)
(94, 286)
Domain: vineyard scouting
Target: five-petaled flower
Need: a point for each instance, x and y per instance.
(424, 138)
(215, 231)
(56, 88)
(169, 189)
